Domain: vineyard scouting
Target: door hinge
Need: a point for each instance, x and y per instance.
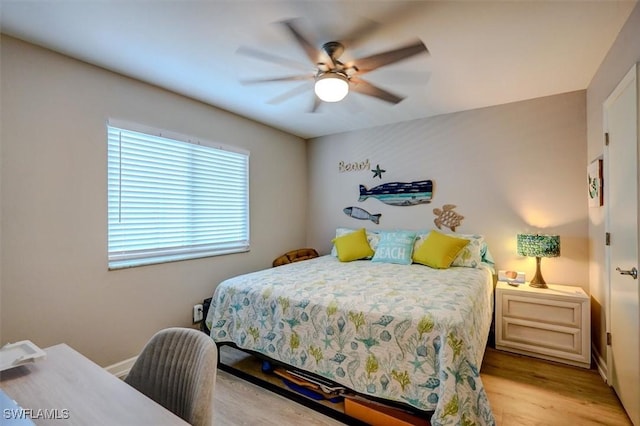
(608, 339)
(607, 238)
(606, 138)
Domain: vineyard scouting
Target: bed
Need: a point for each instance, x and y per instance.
(406, 333)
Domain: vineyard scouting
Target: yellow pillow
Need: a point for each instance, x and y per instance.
(439, 250)
(353, 246)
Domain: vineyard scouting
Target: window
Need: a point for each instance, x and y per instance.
(172, 199)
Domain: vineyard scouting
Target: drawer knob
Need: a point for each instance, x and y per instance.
(633, 272)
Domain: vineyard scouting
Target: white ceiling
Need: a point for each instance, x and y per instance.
(481, 53)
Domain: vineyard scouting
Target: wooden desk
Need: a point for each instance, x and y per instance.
(66, 380)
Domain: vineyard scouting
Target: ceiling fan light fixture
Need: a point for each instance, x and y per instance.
(332, 86)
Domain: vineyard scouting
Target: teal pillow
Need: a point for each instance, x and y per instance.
(395, 247)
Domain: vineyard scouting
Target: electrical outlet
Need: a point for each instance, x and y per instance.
(197, 313)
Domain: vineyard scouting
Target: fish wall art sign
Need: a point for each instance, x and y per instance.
(354, 167)
(358, 213)
(400, 193)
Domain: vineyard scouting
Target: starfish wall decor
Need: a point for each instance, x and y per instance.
(377, 172)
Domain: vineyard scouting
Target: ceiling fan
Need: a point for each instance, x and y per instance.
(334, 79)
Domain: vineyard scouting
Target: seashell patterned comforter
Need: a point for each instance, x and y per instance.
(406, 333)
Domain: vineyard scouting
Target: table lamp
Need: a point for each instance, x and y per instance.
(535, 245)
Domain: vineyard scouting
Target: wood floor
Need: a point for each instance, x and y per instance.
(523, 391)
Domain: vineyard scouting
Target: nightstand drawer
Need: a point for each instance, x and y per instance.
(561, 312)
(546, 339)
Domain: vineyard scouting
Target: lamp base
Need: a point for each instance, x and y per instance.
(537, 281)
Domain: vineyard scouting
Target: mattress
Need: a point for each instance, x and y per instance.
(405, 333)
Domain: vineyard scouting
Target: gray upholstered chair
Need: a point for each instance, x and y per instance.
(177, 369)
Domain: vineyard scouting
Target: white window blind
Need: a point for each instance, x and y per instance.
(173, 200)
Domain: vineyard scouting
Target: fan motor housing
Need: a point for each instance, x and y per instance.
(333, 48)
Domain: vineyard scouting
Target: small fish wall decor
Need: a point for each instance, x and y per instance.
(358, 213)
(400, 193)
(354, 167)
(447, 217)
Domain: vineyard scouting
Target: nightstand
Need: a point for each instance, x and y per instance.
(550, 323)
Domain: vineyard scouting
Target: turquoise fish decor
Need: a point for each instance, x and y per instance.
(400, 193)
(358, 213)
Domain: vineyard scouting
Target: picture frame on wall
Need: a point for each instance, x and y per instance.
(594, 175)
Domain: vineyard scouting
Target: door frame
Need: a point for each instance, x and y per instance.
(630, 76)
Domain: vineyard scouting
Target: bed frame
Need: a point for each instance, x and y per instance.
(251, 369)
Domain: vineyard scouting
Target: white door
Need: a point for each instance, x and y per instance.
(621, 162)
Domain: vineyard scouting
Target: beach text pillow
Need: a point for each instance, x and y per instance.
(395, 247)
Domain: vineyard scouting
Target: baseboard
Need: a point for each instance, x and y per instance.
(122, 368)
(601, 364)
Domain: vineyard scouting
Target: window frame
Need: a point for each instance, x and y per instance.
(120, 259)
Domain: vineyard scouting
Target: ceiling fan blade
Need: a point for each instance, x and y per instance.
(400, 77)
(361, 86)
(370, 63)
(359, 34)
(312, 53)
(268, 57)
(274, 79)
(290, 94)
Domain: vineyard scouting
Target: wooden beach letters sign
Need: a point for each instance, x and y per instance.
(354, 166)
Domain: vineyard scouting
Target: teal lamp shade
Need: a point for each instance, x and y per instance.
(538, 246)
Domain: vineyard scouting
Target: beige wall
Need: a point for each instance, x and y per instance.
(55, 284)
(512, 168)
(622, 55)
